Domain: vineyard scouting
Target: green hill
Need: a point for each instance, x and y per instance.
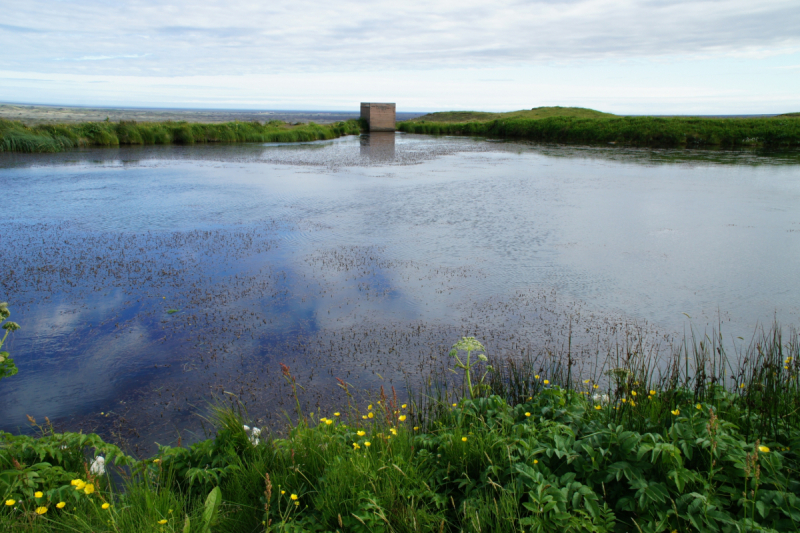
(535, 113)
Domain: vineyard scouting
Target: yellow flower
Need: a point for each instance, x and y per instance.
(536, 461)
(624, 400)
(633, 404)
(536, 376)
(283, 492)
(356, 446)
(293, 496)
(38, 494)
(80, 484)
(364, 417)
(586, 380)
(89, 489)
(323, 419)
(676, 412)
(75, 482)
(652, 393)
(162, 521)
(370, 415)
(106, 505)
(367, 444)
(547, 382)
(416, 428)
(403, 406)
(41, 510)
(463, 439)
(699, 407)
(10, 502)
(763, 449)
(297, 504)
(741, 386)
(394, 431)
(369, 407)
(527, 414)
(328, 421)
(402, 418)
(61, 505)
(156, 461)
(335, 414)
(360, 433)
(633, 393)
(597, 407)
(595, 386)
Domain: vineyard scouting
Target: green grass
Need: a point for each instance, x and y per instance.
(535, 113)
(16, 137)
(634, 131)
(692, 442)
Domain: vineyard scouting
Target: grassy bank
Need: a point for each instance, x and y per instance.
(16, 137)
(691, 443)
(535, 113)
(634, 131)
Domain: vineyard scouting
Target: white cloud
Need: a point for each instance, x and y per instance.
(243, 53)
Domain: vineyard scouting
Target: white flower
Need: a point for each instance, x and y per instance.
(600, 398)
(98, 466)
(256, 432)
(246, 428)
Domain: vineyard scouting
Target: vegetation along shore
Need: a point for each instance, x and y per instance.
(586, 126)
(17, 137)
(696, 442)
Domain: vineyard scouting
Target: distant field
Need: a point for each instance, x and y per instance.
(32, 115)
(578, 125)
(535, 113)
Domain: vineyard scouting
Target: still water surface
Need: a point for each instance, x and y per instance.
(148, 280)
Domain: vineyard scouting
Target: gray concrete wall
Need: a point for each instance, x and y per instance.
(379, 116)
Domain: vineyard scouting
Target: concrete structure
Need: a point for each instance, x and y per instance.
(379, 117)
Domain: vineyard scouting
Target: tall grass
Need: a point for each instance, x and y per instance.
(636, 131)
(16, 137)
(645, 440)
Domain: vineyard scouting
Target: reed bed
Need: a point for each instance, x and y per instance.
(16, 137)
(645, 439)
(634, 131)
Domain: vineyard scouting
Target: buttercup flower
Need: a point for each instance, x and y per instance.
(402, 418)
(454, 405)
(328, 421)
(597, 407)
(652, 393)
(463, 439)
(41, 510)
(370, 415)
(676, 412)
(416, 428)
(527, 414)
(61, 505)
(633, 393)
(394, 431)
(547, 382)
(403, 406)
(595, 386)
(106, 505)
(10, 502)
(536, 461)
(536, 376)
(763, 449)
(699, 407)
(369, 407)
(75, 482)
(367, 444)
(293, 496)
(335, 414)
(38, 494)
(586, 381)
(360, 433)
(89, 489)
(162, 521)
(356, 446)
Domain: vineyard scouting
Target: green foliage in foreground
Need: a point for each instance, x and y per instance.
(636, 131)
(16, 137)
(558, 462)
(7, 366)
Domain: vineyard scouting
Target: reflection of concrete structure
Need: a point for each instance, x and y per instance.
(380, 117)
(378, 146)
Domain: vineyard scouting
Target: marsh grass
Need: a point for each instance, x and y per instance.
(634, 131)
(16, 137)
(645, 439)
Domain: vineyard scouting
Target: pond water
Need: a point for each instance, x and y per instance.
(148, 281)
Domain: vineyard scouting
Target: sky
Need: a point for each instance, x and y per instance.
(618, 56)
